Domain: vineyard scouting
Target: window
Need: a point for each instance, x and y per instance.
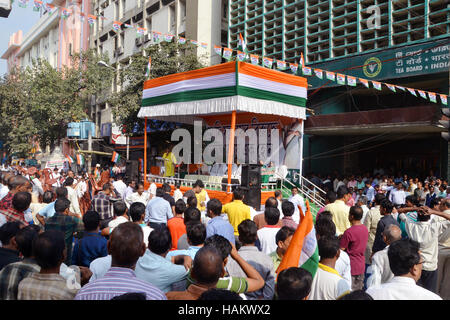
(182, 10)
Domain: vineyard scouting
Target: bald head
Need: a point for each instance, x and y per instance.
(126, 245)
(392, 233)
(207, 267)
(271, 203)
(19, 183)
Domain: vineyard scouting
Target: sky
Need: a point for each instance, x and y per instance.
(19, 19)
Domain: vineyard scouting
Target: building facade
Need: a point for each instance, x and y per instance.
(354, 129)
(52, 38)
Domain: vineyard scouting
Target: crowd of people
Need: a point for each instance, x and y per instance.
(95, 237)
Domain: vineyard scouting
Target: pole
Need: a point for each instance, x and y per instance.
(145, 151)
(89, 155)
(128, 147)
(231, 148)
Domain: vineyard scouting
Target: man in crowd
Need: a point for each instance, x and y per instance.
(217, 225)
(72, 196)
(8, 250)
(288, 211)
(176, 224)
(49, 210)
(126, 246)
(398, 195)
(259, 260)
(66, 223)
(327, 283)
(153, 266)
(91, 245)
(140, 195)
(120, 216)
(380, 271)
(120, 186)
(283, 239)
(137, 214)
(102, 203)
(298, 201)
(16, 212)
(406, 264)
(236, 210)
(15, 184)
(354, 241)
(267, 234)
(48, 284)
(13, 273)
(386, 209)
(166, 195)
(271, 202)
(294, 284)
(340, 210)
(158, 211)
(192, 214)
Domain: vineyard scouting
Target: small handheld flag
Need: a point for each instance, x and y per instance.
(302, 61)
(149, 68)
(80, 159)
(69, 158)
(242, 45)
(115, 157)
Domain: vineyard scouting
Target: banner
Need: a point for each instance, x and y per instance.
(318, 73)
(422, 94)
(37, 5)
(116, 25)
(390, 86)
(181, 40)
(140, 31)
(268, 62)
(351, 81)
(364, 82)
(432, 97)
(241, 56)
(377, 85)
(412, 91)
(168, 37)
(340, 78)
(281, 65)
(307, 71)
(227, 53)
(330, 75)
(294, 67)
(443, 98)
(254, 59)
(218, 50)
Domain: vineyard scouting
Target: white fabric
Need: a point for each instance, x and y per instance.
(401, 288)
(426, 233)
(343, 267)
(81, 188)
(115, 222)
(3, 191)
(380, 271)
(121, 187)
(266, 236)
(327, 286)
(217, 81)
(246, 80)
(135, 197)
(177, 195)
(99, 267)
(185, 112)
(72, 195)
(37, 187)
(297, 200)
(152, 189)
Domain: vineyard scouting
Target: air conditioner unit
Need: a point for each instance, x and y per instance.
(138, 41)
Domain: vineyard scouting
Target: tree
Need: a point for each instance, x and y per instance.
(167, 58)
(38, 102)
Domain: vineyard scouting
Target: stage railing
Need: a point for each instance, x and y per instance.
(189, 183)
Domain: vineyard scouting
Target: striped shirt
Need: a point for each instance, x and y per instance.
(118, 281)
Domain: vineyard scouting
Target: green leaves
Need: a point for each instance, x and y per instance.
(167, 58)
(37, 103)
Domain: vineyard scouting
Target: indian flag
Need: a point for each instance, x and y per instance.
(318, 73)
(351, 81)
(254, 59)
(115, 157)
(302, 60)
(227, 53)
(390, 86)
(241, 55)
(330, 75)
(149, 68)
(443, 99)
(376, 85)
(340, 78)
(80, 159)
(281, 65)
(294, 67)
(267, 62)
(422, 94)
(218, 50)
(242, 45)
(70, 159)
(432, 97)
(412, 91)
(232, 80)
(364, 82)
(307, 71)
(116, 25)
(303, 251)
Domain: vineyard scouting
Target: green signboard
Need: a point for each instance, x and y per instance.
(420, 59)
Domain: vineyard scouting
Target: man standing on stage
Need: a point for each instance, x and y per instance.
(169, 162)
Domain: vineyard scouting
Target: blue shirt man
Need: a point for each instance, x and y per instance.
(48, 211)
(90, 247)
(158, 210)
(218, 225)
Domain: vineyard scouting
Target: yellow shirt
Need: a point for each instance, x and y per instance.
(237, 212)
(169, 161)
(201, 197)
(339, 211)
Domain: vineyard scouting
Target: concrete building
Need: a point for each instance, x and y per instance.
(403, 42)
(201, 20)
(51, 38)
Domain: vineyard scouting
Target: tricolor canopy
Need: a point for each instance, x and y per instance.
(221, 89)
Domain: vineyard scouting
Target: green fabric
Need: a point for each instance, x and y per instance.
(238, 285)
(205, 94)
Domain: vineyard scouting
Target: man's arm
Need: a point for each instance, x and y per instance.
(254, 279)
(429, 211)
(40, 219)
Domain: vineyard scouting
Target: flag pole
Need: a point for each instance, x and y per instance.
(231, 148)
(145, 151)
